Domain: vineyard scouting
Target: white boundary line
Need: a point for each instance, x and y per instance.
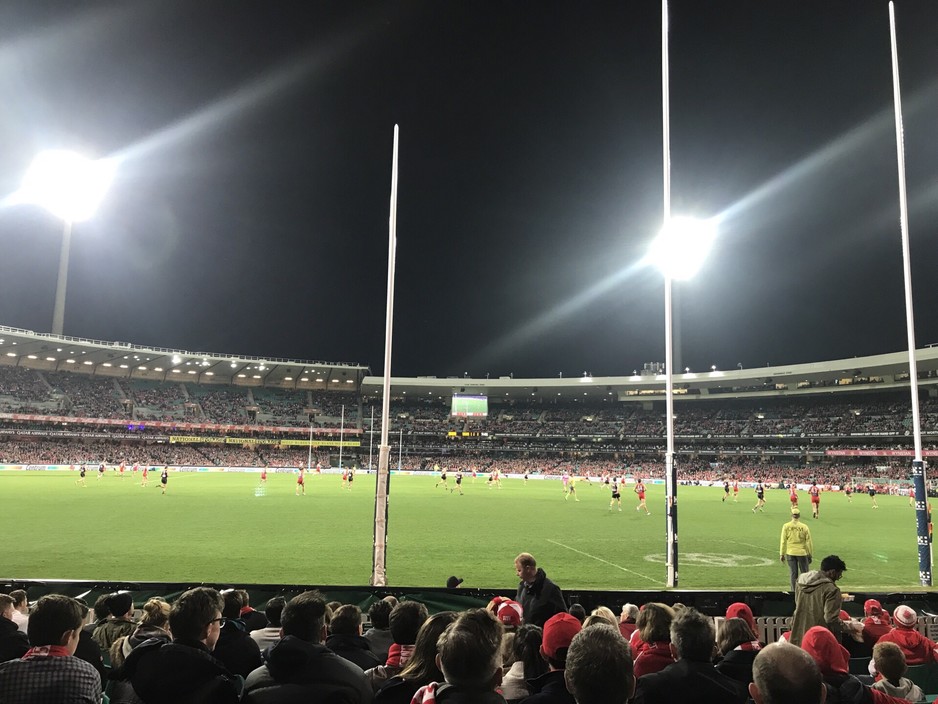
(618, 567)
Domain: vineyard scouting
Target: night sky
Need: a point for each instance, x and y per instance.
(249, 214)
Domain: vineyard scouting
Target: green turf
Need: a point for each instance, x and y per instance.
(213, 527)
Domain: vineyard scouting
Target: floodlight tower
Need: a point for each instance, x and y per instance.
(70, 187)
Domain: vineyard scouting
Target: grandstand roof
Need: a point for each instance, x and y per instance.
(76, 354)
(873, 373)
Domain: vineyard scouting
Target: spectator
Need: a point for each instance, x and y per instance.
(252, 618)
(468, 658)
(49, 673)
(346, 639)
(405, 622)
(539, 597)
(737, 646)
(833, 661)
(818, 599)
(270, 634)
(527, 663)
(578, 612)
(875, 623)
(916, 648)
(184, 671)
(605, 613)
(740, 610)
(651, 641)
(421, 669)
(379, 635)
(300, 667)
(783, 674)
(599, 667)
(120, 623)
(890, 663)
(13, 643)
(627, 620)
(20, 609)
(235, 648)
(550, 688)
(101, 612)
(692, 677)
(153, 624)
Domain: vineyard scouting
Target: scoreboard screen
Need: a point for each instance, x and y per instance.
(465, 406)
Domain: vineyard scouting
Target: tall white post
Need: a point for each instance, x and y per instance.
(309, 454)
(918, 465)
(379, 559)
(341, 435)
(670, 470)
(371, 436)
(400, 450)
(58, 311)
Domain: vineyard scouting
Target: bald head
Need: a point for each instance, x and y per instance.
(785, 674)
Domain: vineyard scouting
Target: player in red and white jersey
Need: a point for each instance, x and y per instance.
(344, 478)
(264, 474)
(319, 468)
(300, 482)
(146, 470)
(735, 491)
(120, 469)
(793, 494)
(815, 493)
(640, 491)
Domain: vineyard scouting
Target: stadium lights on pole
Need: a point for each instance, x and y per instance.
(70, 187)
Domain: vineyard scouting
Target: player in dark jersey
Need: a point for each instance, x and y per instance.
(458, 486)
(871, 490)
(164, 478)
(760, 497)
(442, 479)
(848, 492)
(101, 470)
(616, 496)
(726, 490)
(81, 476)
(351, 478)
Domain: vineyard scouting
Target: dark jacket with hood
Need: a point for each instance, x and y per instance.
(540, 600)
(181, 672)
(691, 681)
(355, 649)
(549, 688)
(237, 650)
(13, 642)
(298, 672)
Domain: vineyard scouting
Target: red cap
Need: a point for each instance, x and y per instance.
(509, 612)
(871, 607)
(741, 610)
(558, 633)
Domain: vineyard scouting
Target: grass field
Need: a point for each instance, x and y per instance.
(213, 527)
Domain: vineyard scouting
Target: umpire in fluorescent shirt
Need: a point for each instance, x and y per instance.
(796, 547)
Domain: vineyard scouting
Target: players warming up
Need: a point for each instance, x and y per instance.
(442, 479)
(301, 482)
(871, 490)
(726, 490)
(760, 497)
(616, 496)
(640, 492)
(815, 493)
(164, 478)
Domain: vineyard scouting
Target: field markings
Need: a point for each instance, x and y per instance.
(750, 545)
(611, 564)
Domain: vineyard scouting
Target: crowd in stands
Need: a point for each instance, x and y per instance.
(89, 397)
(215, 647)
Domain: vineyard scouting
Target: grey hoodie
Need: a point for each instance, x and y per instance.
(906, 689)
(817, 603)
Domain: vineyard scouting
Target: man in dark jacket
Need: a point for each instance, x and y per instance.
(13, 642)
(346, 639)
(539, 597)
(550, 688)
(184, 671)
(692, 677)
(235, 648)
(299, 668)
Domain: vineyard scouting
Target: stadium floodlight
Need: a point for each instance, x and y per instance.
(70, 187)
(682, 245)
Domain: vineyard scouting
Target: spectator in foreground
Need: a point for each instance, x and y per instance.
(692, 677)
(421, 669)
(737, 647)
(405, 622)
(153, 624)
(916, 648)
(890, 663)
(468, 658)
(300, 667)
(651, 642)
(785, 674)
(599, 667)
(875, 622)
(527, 663)
(346, 639)
(627, 620)
(13, 643)
(740, 610)
(550, 688)
(270, 634)
(20, 609)
(379, 635)
(49, 673)
(539, 597)
(184, 671)
(235, 647)
(253, 619)
(818, 599)
(833, 661)
(120, 623)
